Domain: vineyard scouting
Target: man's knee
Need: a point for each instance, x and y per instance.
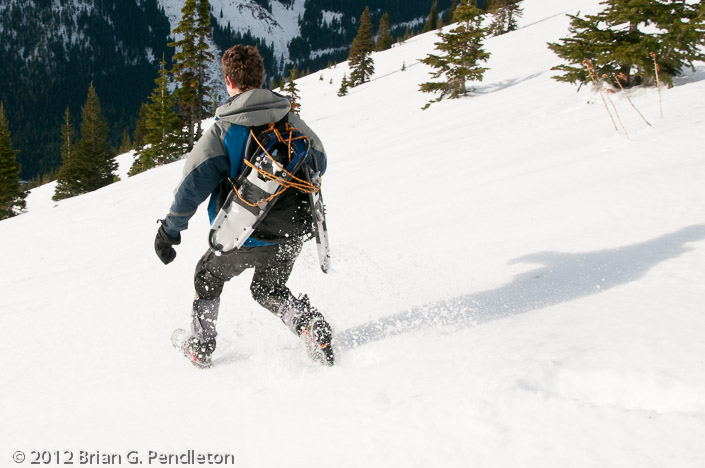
(207, 285)
(268, 296)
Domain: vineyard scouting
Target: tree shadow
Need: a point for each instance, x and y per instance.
(562, 278)
(563, 13)
(504, 84)
(690, 76)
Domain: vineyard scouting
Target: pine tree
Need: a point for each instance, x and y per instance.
(623, 36)
(292, 92)
(384, 36)
(162, 124)
(504, 16)
(432, 21)
(462, 48)
(360, 58)
(204, 33)
(407, 34)
(344, 86)
(162, 142)
(12, 196)
(125, 143)
(214, 100)
(65, 186)
(140, 128)
(448, 17)
(94, 163)
(190, 66)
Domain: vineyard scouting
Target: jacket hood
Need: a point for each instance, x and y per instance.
(253, 108)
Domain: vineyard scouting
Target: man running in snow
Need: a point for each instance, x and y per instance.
(274, 246)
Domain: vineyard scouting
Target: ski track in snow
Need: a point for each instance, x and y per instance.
(529, 292)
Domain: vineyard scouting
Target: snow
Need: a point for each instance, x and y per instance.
(514, 283)
(277, 28)
(330, 16)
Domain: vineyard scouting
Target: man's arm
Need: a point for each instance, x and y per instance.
(205, 167)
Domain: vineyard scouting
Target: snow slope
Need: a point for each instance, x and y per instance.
(514, 284)
(277, 28)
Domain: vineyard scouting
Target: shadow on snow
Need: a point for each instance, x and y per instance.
(504, 84)
(690, 76)
(562, 278)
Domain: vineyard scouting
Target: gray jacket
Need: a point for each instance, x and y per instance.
(219, 153)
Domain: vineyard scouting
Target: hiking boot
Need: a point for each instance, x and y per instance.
(318, 336)
(200, 354)
(308, 323)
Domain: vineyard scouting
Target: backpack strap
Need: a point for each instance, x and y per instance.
(266, 176)
(257, 131)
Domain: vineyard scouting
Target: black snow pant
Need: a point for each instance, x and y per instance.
(272, 264)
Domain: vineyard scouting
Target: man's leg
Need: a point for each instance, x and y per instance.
(269, 290)
(212, 272)
(274, 265)
(269, 285)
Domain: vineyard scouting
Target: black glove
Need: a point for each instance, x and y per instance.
(163, 246)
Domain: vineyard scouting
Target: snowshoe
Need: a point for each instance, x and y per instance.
(200, 354)
(309, 324)
(318, 337)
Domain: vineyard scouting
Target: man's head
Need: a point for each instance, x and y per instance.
(243, 69)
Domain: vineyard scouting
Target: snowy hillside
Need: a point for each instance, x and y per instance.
(514, 284)
(278, 27)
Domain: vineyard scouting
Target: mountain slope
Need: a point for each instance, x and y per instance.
(51, 51)
(514, 284)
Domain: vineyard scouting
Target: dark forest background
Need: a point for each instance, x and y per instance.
(48, 58)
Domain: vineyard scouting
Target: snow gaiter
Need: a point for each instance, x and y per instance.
(205, 316)
(296, 313)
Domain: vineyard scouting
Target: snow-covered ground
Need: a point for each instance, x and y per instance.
(514, 284)
(277, 29)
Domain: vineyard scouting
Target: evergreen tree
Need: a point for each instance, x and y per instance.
(162, 124)
(94, 163)
(65, 187)
(204, 33)
(125, 143)
(162, 142)
(432, 21)
(190, 66)
(462, 48)
(623, 36)
(292, 92)
(407, 34)
(344, 86)
(12, 196)
(504, 16)
(140, 127)
(448, 17)
(384, 36)
(360, 58)
(214, 100)
(273, 84)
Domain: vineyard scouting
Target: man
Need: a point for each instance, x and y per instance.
(273, 247)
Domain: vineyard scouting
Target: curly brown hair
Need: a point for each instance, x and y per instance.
(244, 66)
